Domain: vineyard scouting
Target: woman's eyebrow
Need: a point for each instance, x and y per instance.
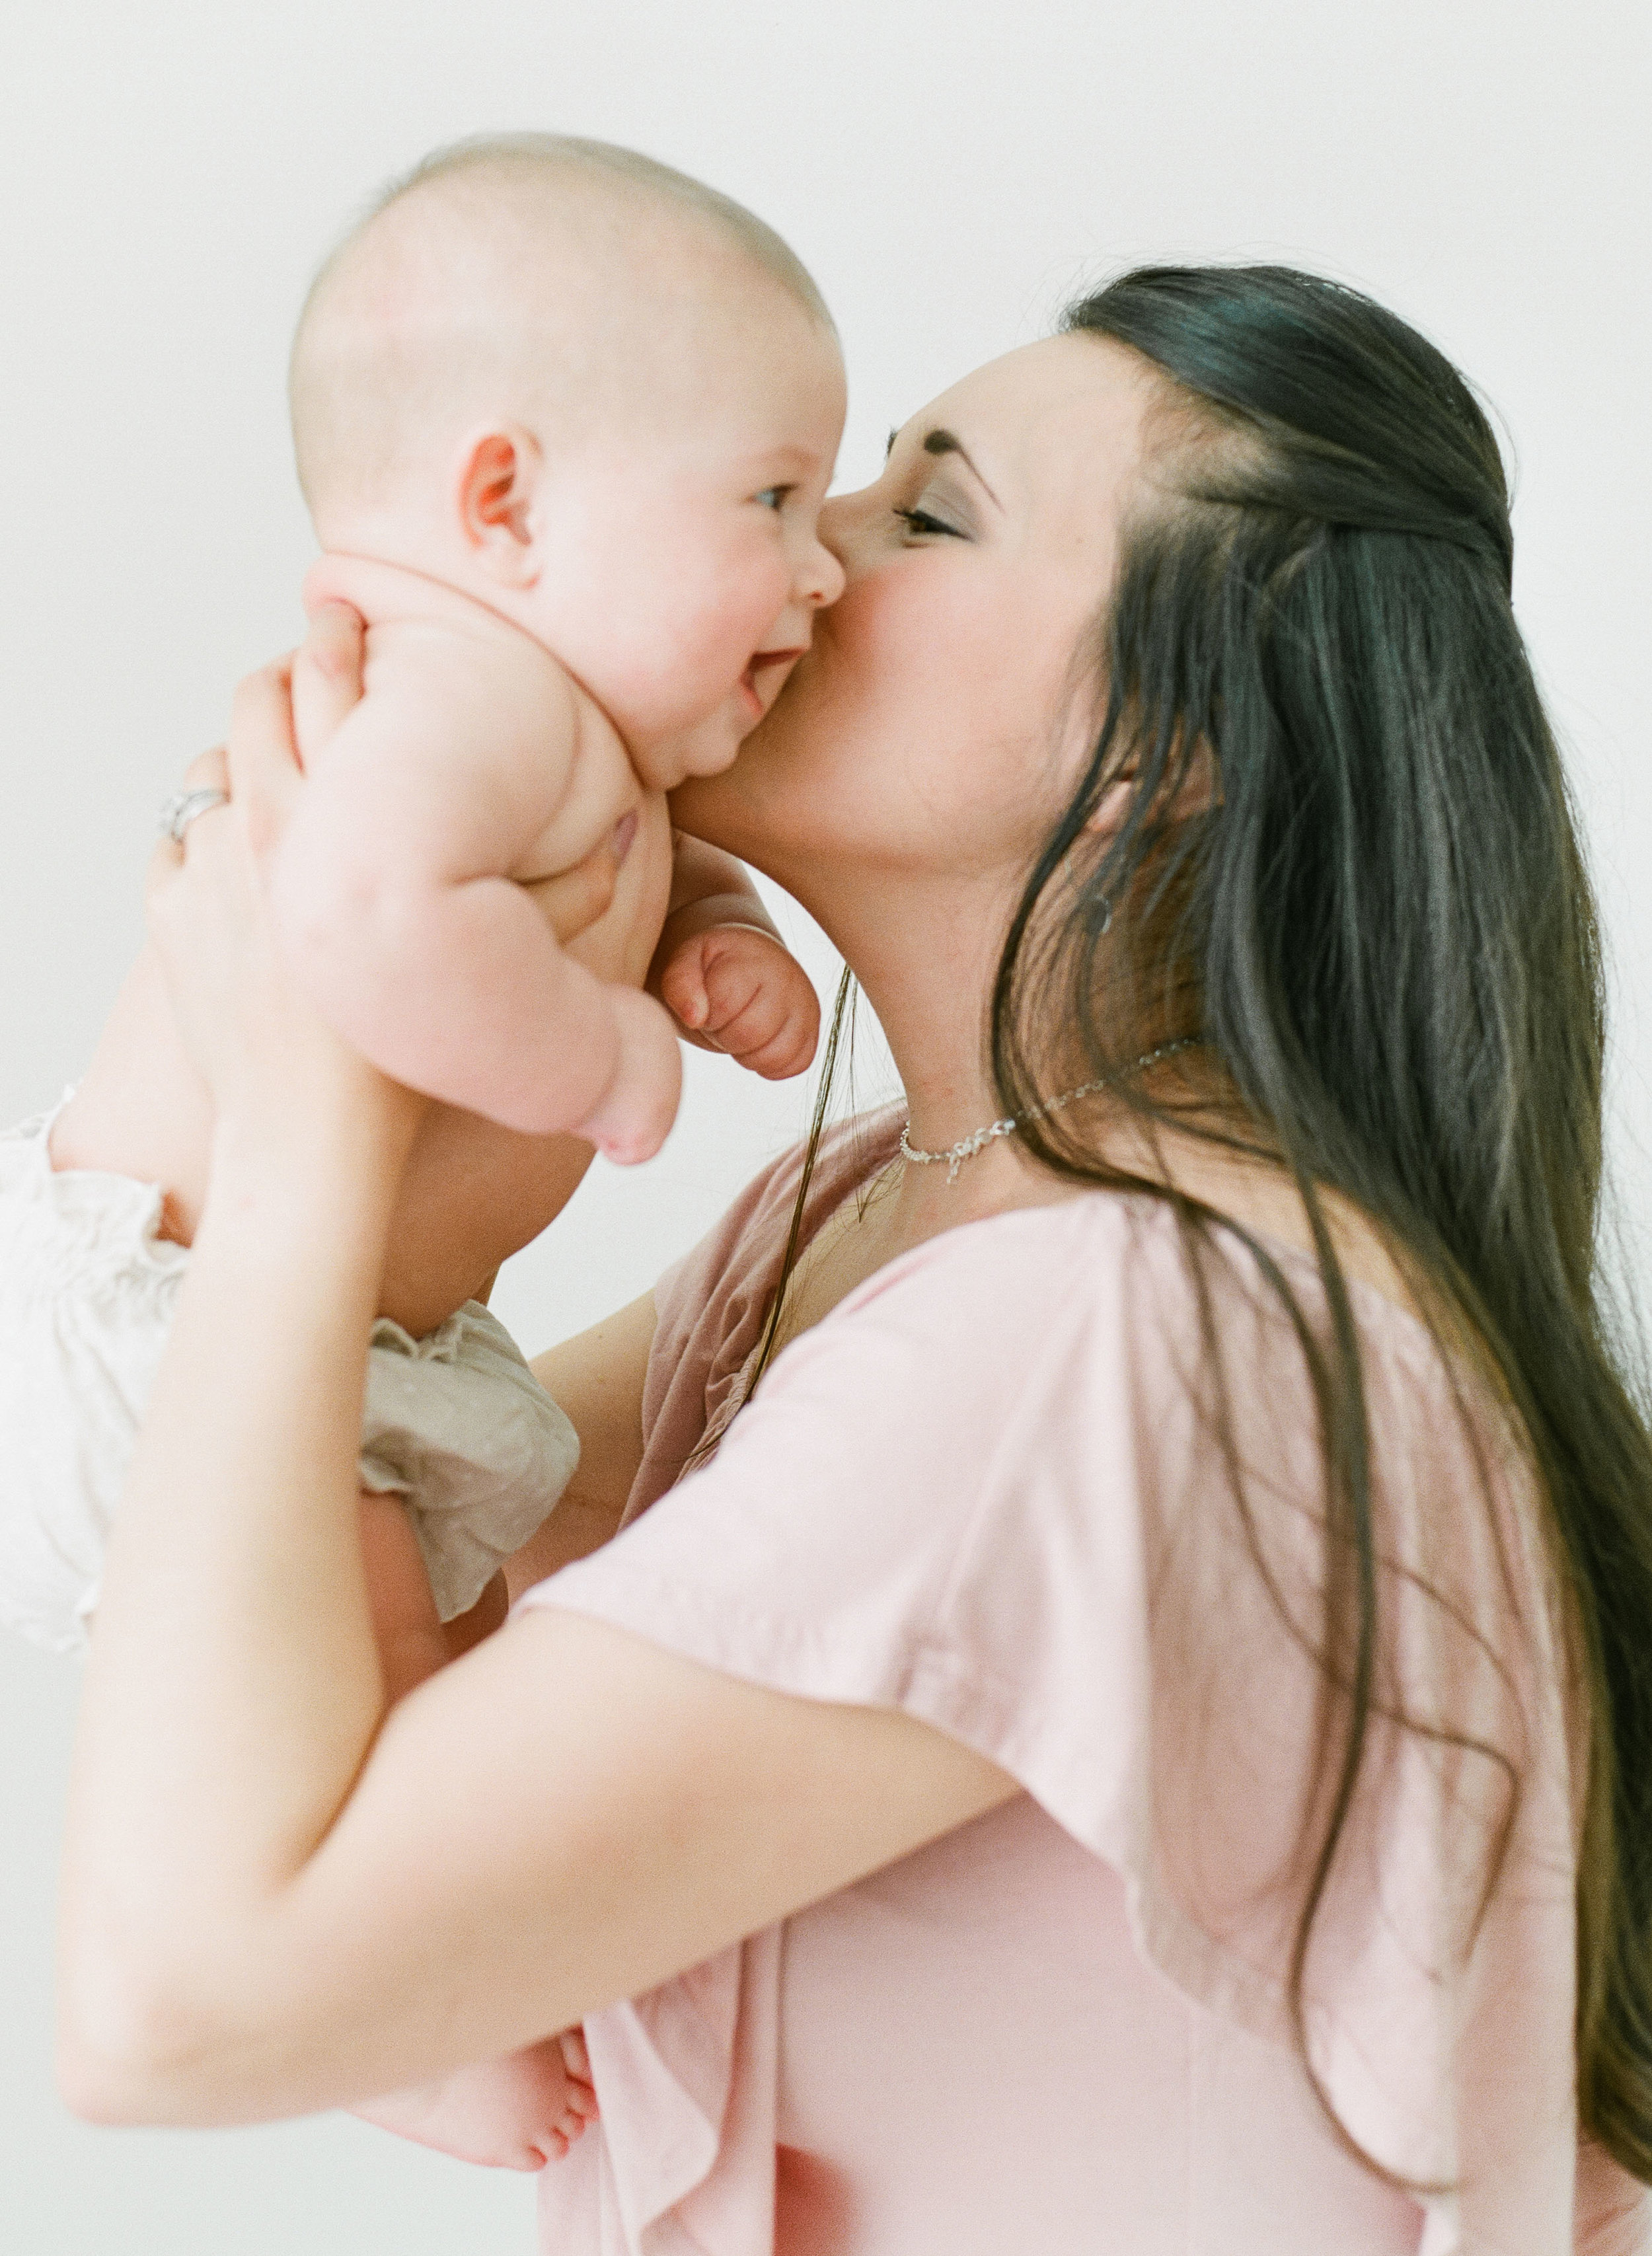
(948, 442)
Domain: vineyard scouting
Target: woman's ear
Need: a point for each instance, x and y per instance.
(1113, 806)
(1200, 791)
(495, 496)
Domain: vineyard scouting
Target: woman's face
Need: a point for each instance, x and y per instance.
(936, 724)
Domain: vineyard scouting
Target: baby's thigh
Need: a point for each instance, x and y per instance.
(405, 1623)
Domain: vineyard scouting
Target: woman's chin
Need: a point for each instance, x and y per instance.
(706, 807)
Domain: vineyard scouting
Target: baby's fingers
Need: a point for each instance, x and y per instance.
(763, 1011)
(682, 986)
(774, 1057)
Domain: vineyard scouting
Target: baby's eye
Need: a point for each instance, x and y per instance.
(774, 496)
(920, 521)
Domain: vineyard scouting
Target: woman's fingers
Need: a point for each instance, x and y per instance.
(266, 775)
(209, 772)
(326, 676)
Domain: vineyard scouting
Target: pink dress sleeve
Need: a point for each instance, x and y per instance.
(988, 1489)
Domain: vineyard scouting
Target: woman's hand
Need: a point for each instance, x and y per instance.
(265, 1053)
(250, 1032)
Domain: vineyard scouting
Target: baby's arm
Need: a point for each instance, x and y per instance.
(725, 972)
(391, 895)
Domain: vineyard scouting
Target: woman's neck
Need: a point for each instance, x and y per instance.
(925, 957)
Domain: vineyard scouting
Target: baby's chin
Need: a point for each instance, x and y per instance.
(705, 751)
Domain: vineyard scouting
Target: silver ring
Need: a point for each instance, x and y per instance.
(180, 810)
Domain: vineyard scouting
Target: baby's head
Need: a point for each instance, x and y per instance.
(599, 395)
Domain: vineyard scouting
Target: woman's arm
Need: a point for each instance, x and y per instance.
(278, 1896)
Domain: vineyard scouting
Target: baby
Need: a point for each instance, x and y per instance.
(564, 419)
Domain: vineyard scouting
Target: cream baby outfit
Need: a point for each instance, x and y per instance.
(455, 1423)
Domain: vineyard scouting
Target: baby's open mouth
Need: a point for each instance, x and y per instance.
(765, 677)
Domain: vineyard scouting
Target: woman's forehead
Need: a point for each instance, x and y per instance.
(1052, 423)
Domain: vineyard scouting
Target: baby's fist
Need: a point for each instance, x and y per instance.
(736, 988)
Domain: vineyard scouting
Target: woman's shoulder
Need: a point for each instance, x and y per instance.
(742, 1252)
(710, 1306)
(1090, 1251)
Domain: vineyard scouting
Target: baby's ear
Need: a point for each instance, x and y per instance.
(494, 496)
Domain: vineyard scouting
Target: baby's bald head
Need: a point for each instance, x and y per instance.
(561, 280)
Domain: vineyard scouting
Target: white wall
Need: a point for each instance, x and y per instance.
(169, 175)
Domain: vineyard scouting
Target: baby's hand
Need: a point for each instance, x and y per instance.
(738, 990)
(512, 2114)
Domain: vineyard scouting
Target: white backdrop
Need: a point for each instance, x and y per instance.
(950, 170)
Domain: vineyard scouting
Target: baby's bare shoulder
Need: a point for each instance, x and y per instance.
(471, 697)
(423, 623)
(443, 673)
(390, 594)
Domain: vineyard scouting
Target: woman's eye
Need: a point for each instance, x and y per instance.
(773, 497)
(919, 521)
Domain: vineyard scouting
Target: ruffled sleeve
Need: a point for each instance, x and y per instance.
(994, 1490)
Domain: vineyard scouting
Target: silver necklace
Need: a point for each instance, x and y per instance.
(967, 1146)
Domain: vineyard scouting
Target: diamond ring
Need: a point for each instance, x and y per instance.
(180, 810)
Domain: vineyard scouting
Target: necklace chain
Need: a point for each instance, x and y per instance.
(967, 1146)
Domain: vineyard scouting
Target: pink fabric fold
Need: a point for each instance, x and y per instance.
(681, 2160)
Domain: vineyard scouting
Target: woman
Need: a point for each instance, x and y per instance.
(1137, 1740)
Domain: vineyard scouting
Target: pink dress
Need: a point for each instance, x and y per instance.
(986, 1490)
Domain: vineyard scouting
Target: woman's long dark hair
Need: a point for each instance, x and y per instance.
(1382, 928)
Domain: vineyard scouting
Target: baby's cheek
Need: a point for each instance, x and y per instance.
(746, 604)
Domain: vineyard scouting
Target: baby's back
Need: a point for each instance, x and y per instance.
(476, 1191)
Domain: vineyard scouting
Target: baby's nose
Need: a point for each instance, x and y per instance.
(823, 580)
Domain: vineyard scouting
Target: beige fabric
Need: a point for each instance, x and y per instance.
(456, 1423)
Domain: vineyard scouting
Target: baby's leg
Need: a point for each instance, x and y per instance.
(512, 2114)
(414, 1641)
(411, 1642)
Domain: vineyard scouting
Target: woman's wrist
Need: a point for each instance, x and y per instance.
(319, 1169)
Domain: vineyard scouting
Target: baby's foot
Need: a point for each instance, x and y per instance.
(581, 2107)
(512, 2114)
